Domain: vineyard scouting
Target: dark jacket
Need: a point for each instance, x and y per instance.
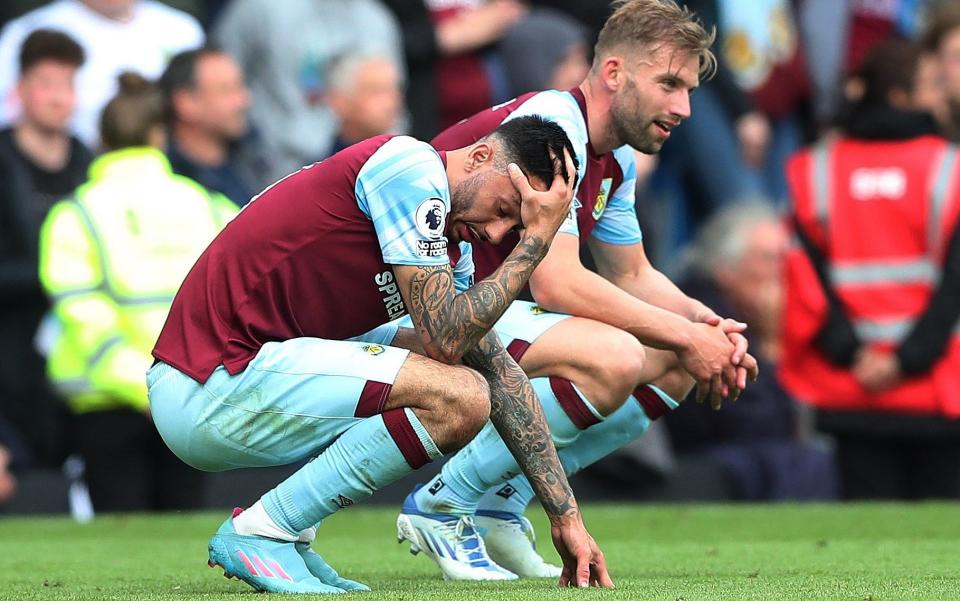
(764, 411)
(27, 192)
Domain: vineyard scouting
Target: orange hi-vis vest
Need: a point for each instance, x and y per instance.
(881, 214)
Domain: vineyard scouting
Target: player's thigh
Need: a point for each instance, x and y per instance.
(518, 328)
(293, 400)
(571, 347)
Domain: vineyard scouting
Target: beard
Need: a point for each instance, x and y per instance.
(463, 194)
(633, 131)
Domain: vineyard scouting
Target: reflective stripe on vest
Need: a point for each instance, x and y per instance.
(864, 273)
(820, 180)
(941, 188)
(70, 387)
(917, 270)
(107, 288)
(892, 331)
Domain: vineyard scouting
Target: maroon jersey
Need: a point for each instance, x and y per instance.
(600, 175)
(311, 256)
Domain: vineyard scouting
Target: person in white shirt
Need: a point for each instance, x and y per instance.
(116, 36)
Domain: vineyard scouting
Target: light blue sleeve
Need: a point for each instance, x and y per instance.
(618, 224)
(403, 190)
(463, 270)
(562, 108)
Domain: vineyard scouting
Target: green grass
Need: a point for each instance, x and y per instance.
(689, 552)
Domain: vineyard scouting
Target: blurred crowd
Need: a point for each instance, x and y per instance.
(132, 129)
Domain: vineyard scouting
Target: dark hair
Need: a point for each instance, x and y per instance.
(130, 116)
(49, 45)
(889, 66)
(530, 142)
(181, 74)
(645, 24)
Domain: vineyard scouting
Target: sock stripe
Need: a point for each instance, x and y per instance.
(372, 399)
(652, 404)
(517, 349)
(403, 434)
(572, 404)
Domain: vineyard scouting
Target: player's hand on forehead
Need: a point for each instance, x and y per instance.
(541, 213)
(566, 169)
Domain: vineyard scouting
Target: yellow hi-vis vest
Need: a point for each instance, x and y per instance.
(111, 259)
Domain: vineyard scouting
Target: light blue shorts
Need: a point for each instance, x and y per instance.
(291, 402)
(519, 327)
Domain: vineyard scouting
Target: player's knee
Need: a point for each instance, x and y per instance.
(629, 358)
(617, 371)
(469, 404)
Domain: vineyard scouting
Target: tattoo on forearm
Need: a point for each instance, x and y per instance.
(516, 412)
(451, 324)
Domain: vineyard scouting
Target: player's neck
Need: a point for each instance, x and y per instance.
(599, 125)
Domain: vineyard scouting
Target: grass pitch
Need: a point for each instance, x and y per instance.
(687, 552)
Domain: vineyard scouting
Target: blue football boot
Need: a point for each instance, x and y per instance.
(266, 564)
(322, 570)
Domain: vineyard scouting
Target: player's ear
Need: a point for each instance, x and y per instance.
(480, 154)
(611, 71)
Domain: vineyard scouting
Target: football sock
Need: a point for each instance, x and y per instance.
(620, 427)
(256, 521)
(487, 462)
(371, 454)
(512, 497)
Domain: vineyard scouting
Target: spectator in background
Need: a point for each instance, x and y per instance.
(942, 39)
(40, 163)
(873, 294)
(366, 96)
(735, 266)
(209, 139)
(112, 259)
(286, 55)
(837, 36)
(116, 35)
(547, 50)
(8, 482)
(930, 95)
(14, 456)
(447, 47)
(592, 15)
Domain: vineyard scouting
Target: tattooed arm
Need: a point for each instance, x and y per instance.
(448, 324)
(516, 412)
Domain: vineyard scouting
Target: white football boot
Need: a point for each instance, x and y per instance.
(512, 543)
(453, 542)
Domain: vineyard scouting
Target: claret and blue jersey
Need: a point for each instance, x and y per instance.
(604, 203)
(311, 256)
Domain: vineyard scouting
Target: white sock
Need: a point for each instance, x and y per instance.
(255, 521)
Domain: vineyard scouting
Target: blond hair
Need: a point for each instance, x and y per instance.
(646, 24)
